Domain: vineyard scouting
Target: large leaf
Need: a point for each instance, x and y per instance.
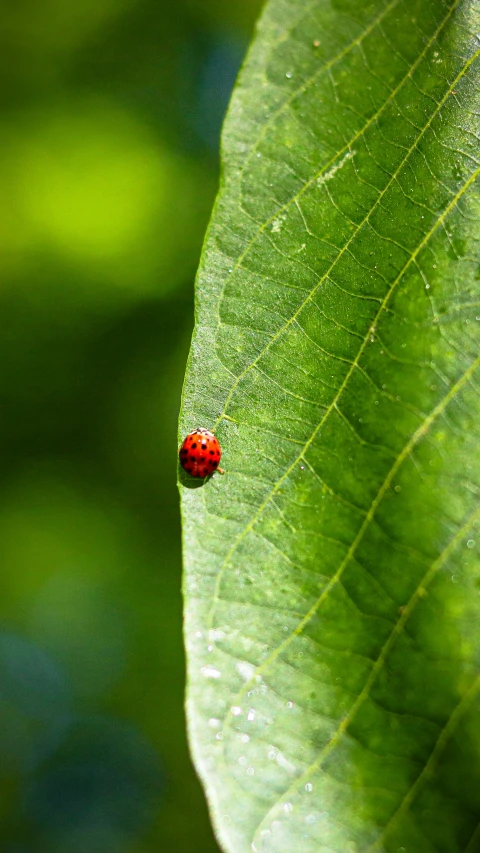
(333, 575)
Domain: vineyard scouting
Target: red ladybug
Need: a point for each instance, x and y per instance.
(200, 453)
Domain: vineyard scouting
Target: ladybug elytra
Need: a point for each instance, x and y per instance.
(200, 453)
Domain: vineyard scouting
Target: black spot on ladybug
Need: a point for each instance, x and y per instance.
(194, 445)
(212, 453)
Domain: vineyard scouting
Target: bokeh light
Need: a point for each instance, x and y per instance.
(92, 185)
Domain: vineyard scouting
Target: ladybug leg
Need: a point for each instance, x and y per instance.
(220, 471)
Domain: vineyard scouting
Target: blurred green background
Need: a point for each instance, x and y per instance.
(110, 120)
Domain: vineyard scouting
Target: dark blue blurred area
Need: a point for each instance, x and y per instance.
(109, 129)
(98, 790)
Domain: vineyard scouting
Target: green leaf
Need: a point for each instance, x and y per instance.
(332, 575)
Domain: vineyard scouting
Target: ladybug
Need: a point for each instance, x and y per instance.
(200, 453)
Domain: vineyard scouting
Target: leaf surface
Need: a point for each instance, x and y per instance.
(332, 576)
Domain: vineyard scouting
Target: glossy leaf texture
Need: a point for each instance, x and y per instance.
(332, 584)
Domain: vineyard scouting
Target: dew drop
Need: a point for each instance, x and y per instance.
(210, 672)
(235, 710)
(289, 75)
(287, 808)
(471, 543)
(309, 787)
